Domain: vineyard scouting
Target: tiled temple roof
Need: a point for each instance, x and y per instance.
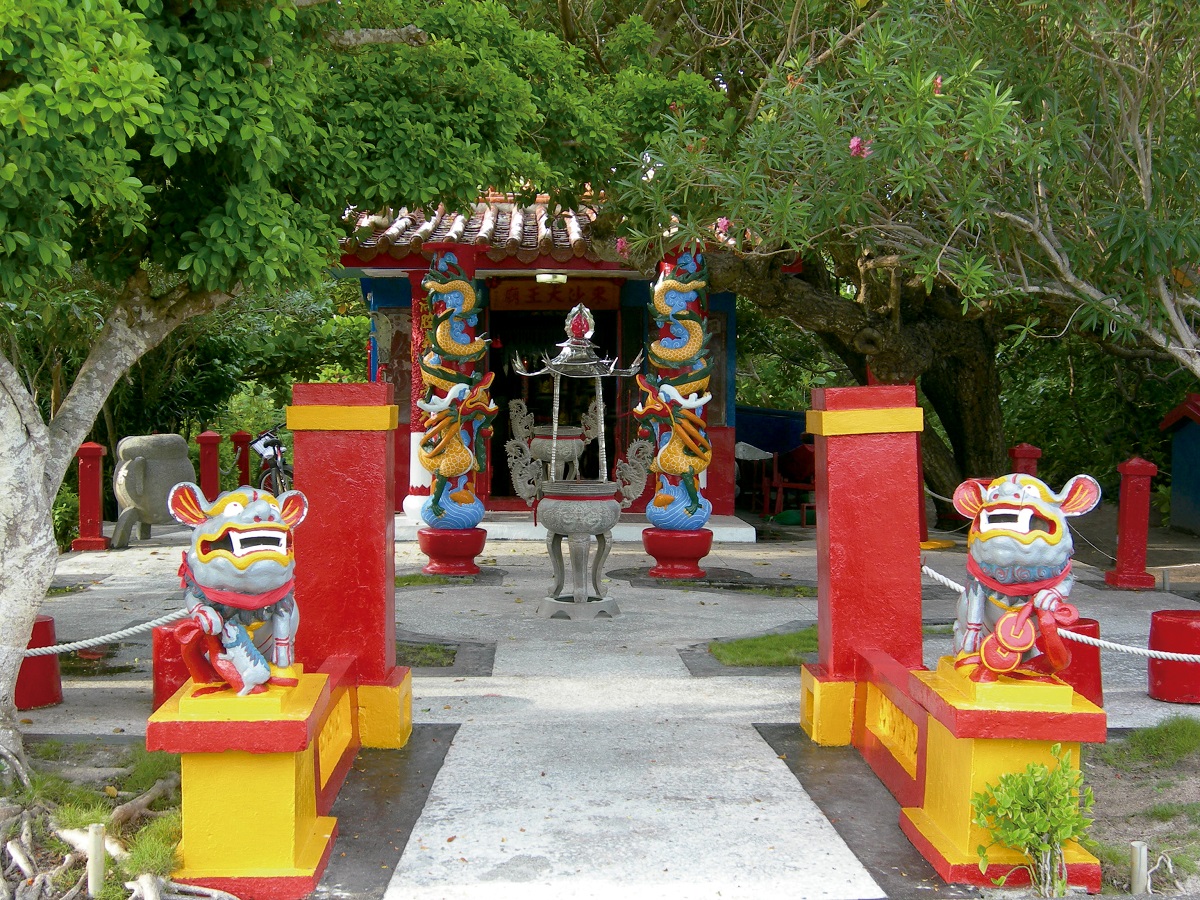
(503, 230)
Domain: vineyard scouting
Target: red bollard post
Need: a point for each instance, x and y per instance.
(91, 498)
(210, 463)
(1024, 458)
(1133, 526)
(241, 443)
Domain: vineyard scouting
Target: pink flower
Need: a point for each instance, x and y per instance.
(859, 147)
(722, 226)
(937, 86)
(623, 247)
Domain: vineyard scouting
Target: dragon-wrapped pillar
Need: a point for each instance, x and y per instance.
(675, 392)
(457, 414)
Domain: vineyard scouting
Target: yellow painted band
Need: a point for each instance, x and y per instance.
(342, 418)
(829, 422)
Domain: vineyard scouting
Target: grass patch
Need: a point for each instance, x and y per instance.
(1159, 747)
(937, 629)
(423, 580)
(64, 589)
(148, 768)
(789, 649)
(154, 848)
(425, 655)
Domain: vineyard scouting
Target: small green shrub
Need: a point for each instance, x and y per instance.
(154, 848)
(65, 516)
(1036, 812)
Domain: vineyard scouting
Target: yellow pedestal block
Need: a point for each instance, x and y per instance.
(385, 712)
(250, 784)
(975, 733)
(826, 708)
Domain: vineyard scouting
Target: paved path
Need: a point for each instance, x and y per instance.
(590, 763)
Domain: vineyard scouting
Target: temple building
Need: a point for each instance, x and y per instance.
(529, 267)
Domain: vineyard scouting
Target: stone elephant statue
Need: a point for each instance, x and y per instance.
(148, 466)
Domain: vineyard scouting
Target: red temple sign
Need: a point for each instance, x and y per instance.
(526, 294)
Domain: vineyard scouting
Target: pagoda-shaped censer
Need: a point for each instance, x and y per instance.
(577, 508)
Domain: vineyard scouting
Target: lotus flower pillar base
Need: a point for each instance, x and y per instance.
(451, 551)
(678, 553)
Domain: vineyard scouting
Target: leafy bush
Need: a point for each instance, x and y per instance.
(65, 515)
(1036, 812)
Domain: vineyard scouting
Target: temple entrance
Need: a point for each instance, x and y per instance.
(531, 334)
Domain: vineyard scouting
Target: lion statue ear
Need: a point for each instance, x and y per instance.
(968, 498)
(1079, 495)
(293, 505)
(187, 504)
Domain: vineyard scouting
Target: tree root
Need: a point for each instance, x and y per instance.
(140, 806)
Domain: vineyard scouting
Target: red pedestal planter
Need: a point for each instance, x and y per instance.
(1175, 631)
(678, 553)
(39, 682)
(451, 551)
(1083, 673)
(169, 670)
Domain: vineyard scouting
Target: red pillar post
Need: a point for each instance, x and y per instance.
(868, 561)
(210, 463)
(1133, 526)
(345, 550)
(1024, 459)
(91, 498)
(241, 444)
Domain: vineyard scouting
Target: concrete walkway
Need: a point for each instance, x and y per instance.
(590, 762)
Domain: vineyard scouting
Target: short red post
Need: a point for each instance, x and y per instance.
(210, 463)
(91, 498)
(1024, 458)
(241, 444)
(1133, 526)
(39, 682)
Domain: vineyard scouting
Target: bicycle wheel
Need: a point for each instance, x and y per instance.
(270, 483)
(285, 479)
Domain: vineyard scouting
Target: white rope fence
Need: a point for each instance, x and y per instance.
(1085, 638)
(107, 638)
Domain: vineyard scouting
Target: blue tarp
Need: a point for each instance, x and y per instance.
(772, 430)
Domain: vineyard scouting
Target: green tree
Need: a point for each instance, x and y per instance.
(179, 155)
(946, 171)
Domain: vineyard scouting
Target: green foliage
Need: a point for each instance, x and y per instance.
(789, 649)
(1036, 812)
(1160, 746)
(779, 363)
(148, 768)
(65, 516)
(1053, 391)
(82, 814)
(426, 655)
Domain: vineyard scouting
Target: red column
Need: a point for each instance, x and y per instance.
(91, 498)
(345, 548)
(241, 443)
(210, 463)
(1133, 526)
(1024, 458)
(868, 563)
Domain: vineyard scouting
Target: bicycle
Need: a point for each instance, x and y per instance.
(276, 473)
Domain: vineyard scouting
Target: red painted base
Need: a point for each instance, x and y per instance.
(1083, 673)
(290, 887)
(1129, 581)
(90, 543)
(167, 664)
(39, 682)
(451, 551)
(1175, 631)
(678, 553)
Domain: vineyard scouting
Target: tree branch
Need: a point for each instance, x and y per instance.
(351, 39)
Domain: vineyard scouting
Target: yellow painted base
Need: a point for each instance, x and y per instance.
(936, 545)
(306, 862)
(1006, 693)
(826, 709)
(385, 714)
(997, 855)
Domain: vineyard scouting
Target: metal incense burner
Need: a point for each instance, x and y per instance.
(575, 508)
